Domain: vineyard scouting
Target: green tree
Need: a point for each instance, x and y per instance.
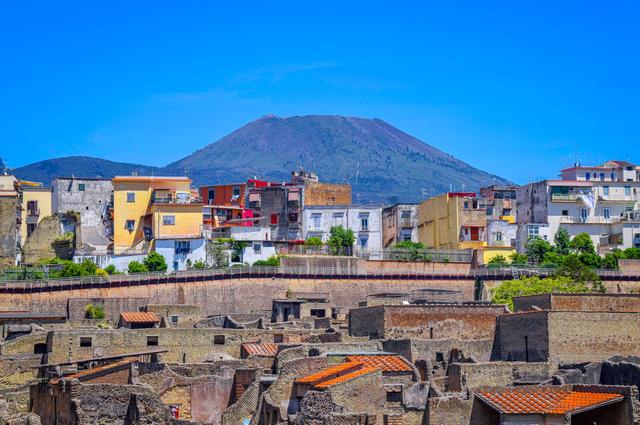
(552, 259)
(610, 260)
(408, 245)
(111, 269)
(518, 259)
(631, 254)
(273, 261)
(341, 240)
(536, 247)
(562, 242)
(573, 268)
(88, 268)
(137, 267)
(199, 264)
(217, 254)
(155, 262)
(534, 285)
(71, 269)
(582, 244)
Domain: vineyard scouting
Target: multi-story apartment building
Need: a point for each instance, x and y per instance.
(399, 224)
(10, 219)
(161, 214)
(279, 205)
(500, 205)
(36, 203)
(225, 205)
(603, 201)
(92, 198)
(454, 220)
(364, 220)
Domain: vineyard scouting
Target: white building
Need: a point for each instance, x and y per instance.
(364, 220)
(603, 201)
(180, 253)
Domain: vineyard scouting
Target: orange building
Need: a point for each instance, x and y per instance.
(224, 205)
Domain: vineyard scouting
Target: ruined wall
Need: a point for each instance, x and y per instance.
(77, 307)
(363, 394)
(9, 229)
(425, 322)
(22, 345)
(596, 302)
(629, 266)
(450, 411)
(184, 345)
(232, 296)
(576, 337)
(523, 337)
(17, 370)
(461, 376)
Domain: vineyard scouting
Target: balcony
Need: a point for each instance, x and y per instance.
(35, 212)
(176, 201)
(588, 220)
(408, 223)
(565, 197)
(618, 198)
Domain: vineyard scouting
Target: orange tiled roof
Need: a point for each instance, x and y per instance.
(269, 349)
(139, 317)
(88, 372)
(344, 378)
(550, 401)
(328, 372)
(384, 362)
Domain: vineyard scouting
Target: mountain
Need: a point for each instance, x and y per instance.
(79, 166)
(382, 163)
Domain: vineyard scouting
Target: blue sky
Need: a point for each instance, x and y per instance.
(518, 89)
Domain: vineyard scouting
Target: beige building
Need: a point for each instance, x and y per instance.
(454, 220)
(36, 205)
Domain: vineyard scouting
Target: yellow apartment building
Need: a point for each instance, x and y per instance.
(36, 205)
(454, 220)
(149, 209)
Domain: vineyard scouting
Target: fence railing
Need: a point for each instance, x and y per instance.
(418, 255)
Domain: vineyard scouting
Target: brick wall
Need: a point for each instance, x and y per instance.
(514, 329)
(316, 193)
(77, 307)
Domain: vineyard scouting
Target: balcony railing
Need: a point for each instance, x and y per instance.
(408, 223)
(171, 200)
(588, 220)
(33, 212)
(565, 197)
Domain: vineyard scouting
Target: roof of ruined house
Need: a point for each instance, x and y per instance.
(328, 373)
(268, 349)
(344, 378)
(386, 363)
(549, 401)
(99, 369)
(139, 317)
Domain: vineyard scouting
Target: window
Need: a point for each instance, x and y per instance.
(218, 339)
(182, 247)
(362, 242)
(257, 248)
(152, 341)
(315, 221)
(627, 191)
(406, 214)
(318, 312)
(81, 187)
(236, 191)
(613, 176)
(86, 341)
(499, 236)
(338, 219)
(533, 230)
(169, 220)
(606, 213)
(602, 177)
(174, 320)
(466, 204)
(364, 222)
(394, 396)
(274, 219)
(131, 197)
(584, 213)
(605, 190)
(211, 195)
(130, 225)
(587, 176)
(40, 348)
(565, 213)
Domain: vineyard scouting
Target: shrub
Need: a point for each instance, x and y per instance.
(88, 268)
(341, 240)
(313, 241)
(518, 259)
(273, 261)
(136, 267)
(408, 245)
(155, 262)
(111, 269)
(536, 247)
(199, 264)
(582, 244)
(101, 273)
(71, 269)
(95, 311)
(534, 285)
(498, 261)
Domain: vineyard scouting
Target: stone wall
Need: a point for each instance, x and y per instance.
(77, 307)
(462, 376)
(523, 337)
(579, 302)
(425, 321)
(9, 229)
(629, 266)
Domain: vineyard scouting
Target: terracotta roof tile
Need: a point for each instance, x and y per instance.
(268, 349)
(550, 401)
(329, 373)
(139, 317)
(343, 378)
(386, 363)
